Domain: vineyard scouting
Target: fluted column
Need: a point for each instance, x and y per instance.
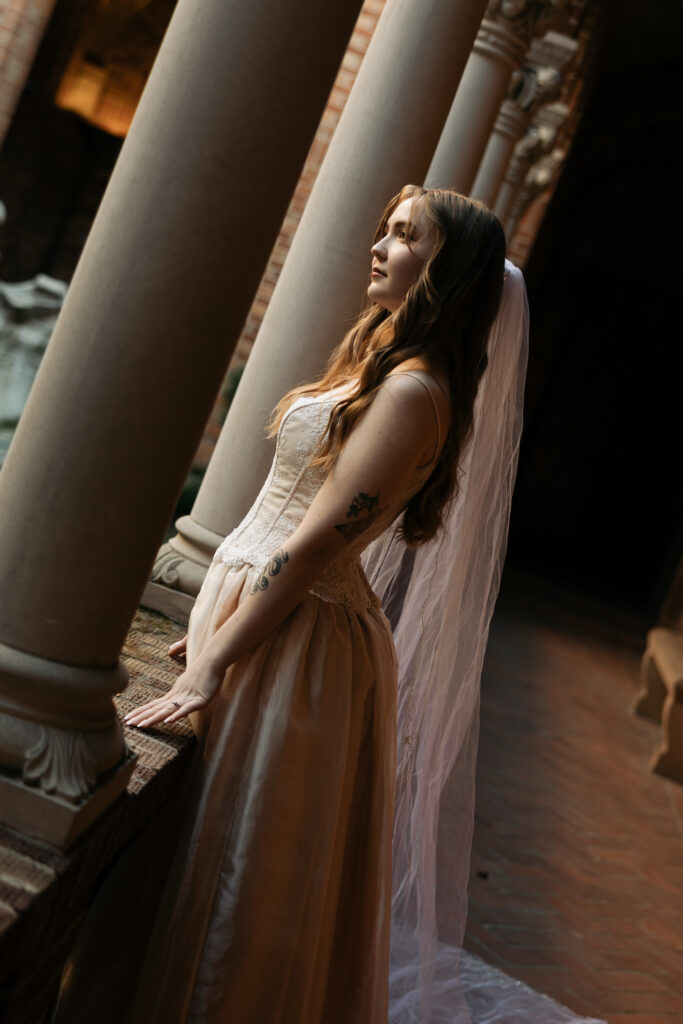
(499, 50)
(130, 375)
(530, 88)
(385, 138)
(22, 25)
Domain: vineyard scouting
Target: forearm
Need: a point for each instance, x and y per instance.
(281, 585)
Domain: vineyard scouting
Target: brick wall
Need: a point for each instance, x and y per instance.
(22, 23)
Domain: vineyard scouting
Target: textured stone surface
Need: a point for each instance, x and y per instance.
(43, 893)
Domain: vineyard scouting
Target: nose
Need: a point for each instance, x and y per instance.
(379, 250)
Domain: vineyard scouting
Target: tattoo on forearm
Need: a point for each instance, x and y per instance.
(272, 569)
(361, 503)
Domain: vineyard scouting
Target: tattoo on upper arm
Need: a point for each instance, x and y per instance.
(273, 567)
(362, 502)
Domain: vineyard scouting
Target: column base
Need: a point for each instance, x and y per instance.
(179, 570)
(174, 604)
(54, 820)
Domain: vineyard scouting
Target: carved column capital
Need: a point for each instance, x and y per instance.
(530, 88)
(509, 26)
(524, 19)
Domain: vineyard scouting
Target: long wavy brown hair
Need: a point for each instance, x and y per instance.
(444, 321)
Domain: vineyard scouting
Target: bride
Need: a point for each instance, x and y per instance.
(316, 743)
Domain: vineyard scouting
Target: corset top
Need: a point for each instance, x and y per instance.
(289, 489)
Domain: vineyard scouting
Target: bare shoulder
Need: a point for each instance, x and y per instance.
(426, 377)
(407, 391)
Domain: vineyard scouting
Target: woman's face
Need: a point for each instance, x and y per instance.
(397, 259)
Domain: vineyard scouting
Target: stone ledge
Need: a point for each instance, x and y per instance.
(44, 893)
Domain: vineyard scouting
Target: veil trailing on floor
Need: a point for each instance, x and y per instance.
(439, 599)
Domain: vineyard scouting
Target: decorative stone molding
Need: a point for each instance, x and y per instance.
(62, 763)
(166, 571)
(180, 568)
(529, 88)
(499, 51)
(63, 757)
(523, 19)
(182, 563)
(509, 26)
(537, 180)
(531, 168)
(552, 50)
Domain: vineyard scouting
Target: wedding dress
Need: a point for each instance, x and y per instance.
(278, 909)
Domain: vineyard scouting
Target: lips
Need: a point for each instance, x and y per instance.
(376, 272)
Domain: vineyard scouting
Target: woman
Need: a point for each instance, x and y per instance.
(280, 907)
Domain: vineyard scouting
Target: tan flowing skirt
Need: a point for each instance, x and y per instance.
(278, 907)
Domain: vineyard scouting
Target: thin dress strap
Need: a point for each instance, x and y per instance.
(412, 373)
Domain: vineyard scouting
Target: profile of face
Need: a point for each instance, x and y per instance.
(398, 257)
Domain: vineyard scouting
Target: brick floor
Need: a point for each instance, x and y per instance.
(577, 866)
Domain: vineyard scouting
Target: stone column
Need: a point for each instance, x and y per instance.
(130, 375)
(528, 87)
(22, 25)
(385, 139)
(499, 50)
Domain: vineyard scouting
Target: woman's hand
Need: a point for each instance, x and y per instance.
(178, 650)
(192, 690)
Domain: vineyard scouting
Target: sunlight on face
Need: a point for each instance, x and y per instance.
(397, 259)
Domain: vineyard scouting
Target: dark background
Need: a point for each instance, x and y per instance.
(599, 498)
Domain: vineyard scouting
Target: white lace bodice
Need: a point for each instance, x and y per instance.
(285, 497)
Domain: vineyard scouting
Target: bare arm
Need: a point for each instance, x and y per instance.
(395, 435)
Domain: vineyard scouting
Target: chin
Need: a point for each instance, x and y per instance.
(377, 299)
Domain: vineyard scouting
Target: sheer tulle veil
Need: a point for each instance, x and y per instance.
(439, 599)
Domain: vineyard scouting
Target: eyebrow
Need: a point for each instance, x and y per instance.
(400, 224)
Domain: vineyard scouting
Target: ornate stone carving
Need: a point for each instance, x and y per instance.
(530, 87)
(526, 18)
(539, 177)
(61, 763)
(553, 50)
(166, 568)
(176, 571)
(62, 749)
(509, 26)
(538, 142)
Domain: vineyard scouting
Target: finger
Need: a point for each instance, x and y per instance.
(144, 708)
(168, 708)
(178, 649)
(156, 716)
(184, 710)
(133, 717)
